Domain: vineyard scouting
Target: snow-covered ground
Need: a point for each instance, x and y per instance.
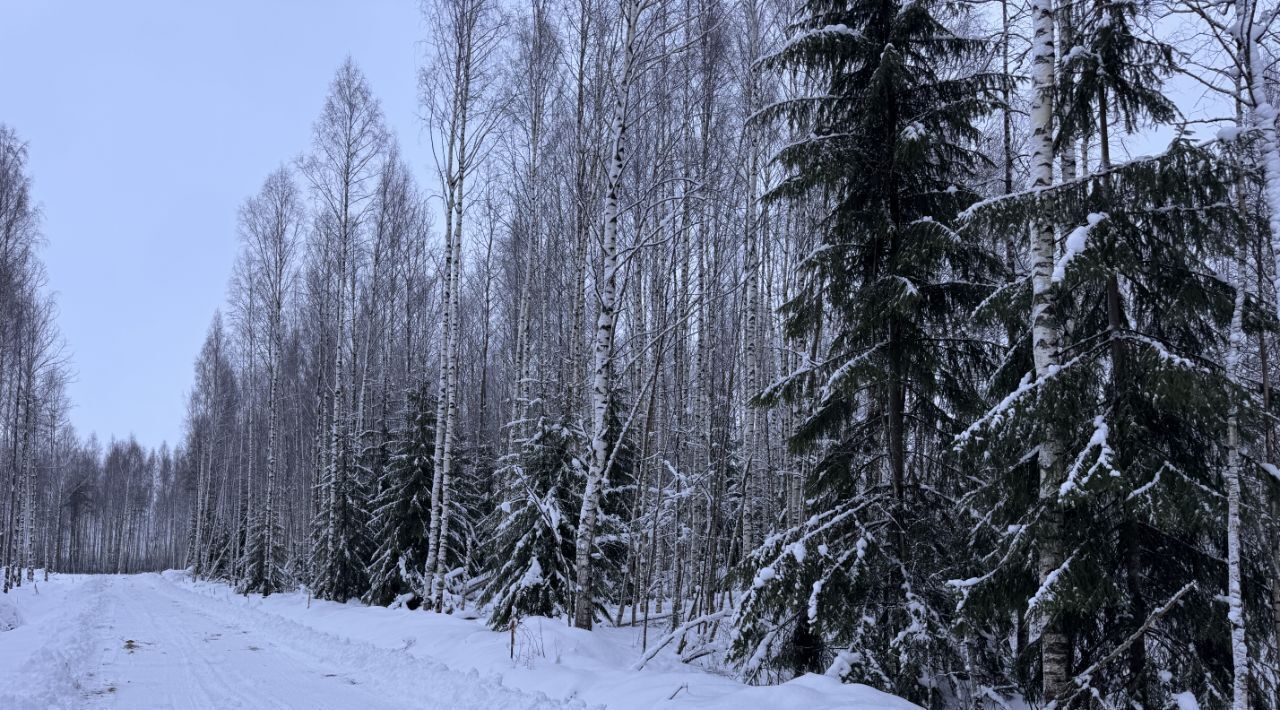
(165, 641)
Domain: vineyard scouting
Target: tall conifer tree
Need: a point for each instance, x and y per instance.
(887, 136)
(401, 506)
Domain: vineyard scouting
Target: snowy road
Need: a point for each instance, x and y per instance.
(169, 649)
(159, 641)
(148, 643)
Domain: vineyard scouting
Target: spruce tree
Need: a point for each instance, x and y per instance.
(261, 577)
(888, 142)
(1108, 63)
(533, 539)
(401, 507)
(343, 546)
(1140, 403)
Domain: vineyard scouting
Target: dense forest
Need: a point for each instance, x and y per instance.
(835, 336)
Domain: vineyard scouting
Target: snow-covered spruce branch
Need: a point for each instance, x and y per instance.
(1083, 679)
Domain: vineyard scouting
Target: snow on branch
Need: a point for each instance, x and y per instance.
(1045, 592)
(825, 33)
(1084, 678)
(1025, 387)
(837, 378)
(1098, 441)
(1076, 242)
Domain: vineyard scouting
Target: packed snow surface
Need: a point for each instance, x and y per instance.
(165, 641)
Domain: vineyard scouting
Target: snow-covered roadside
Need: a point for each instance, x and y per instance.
(551, 658)
(48, 660)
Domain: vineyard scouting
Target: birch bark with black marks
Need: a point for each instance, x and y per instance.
(603, 342)
(1055, 650)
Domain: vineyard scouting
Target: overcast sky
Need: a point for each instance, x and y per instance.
(149, 122)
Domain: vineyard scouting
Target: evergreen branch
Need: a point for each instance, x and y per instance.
(1083, 680)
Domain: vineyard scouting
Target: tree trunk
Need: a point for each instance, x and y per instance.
(1235, 598)
(1055, 649)
(601, 383)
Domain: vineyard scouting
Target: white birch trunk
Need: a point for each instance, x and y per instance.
(751, 513)
(1054, 647)
(442, 399)
(1251, 25)
(442, 388)
(456, 164)
(601, 381)
(1235, 598)
(451, 413)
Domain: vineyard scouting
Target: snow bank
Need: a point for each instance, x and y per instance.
(46, 662)
(9, 617)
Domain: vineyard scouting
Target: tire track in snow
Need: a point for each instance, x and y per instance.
(169, 653)
(422, 683)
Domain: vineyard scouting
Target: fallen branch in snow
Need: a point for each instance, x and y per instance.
(677, 633)
(703, 651)
(641, 620)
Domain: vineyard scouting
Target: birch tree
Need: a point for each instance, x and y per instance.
(1055, 649)
(454, 91)
(632, 12)
(349, 141)
(270, 226)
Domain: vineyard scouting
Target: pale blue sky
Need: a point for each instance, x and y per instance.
(149, 122)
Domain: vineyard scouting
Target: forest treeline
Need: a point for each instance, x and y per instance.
(822, 336)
